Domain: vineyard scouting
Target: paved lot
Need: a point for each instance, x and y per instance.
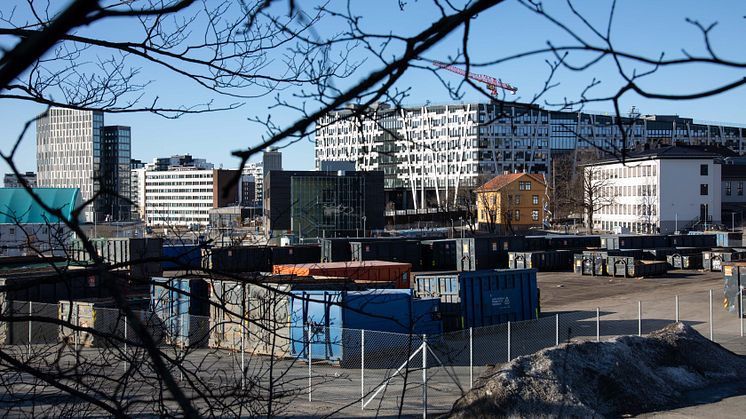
(337, 390)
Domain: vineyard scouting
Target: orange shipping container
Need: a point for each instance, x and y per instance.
(367, 270)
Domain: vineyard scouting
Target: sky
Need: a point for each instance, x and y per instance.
(646, 27)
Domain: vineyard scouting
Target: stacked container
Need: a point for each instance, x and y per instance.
(128, 253)
(237, 259)
(405, 251)
(555, 260)
(363, 271)
(482, 298)
(284, 255)
(734, 275)
(182, 307)
(438, 255)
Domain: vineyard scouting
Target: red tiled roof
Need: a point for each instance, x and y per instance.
(500, 181)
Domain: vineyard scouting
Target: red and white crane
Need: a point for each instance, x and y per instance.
(492, 83)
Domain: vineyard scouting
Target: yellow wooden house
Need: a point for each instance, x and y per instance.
(511, 202)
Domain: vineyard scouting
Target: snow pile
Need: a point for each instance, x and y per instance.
(626, 375)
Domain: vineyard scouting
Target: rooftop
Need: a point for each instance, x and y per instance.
(17, 206)
(500, 181)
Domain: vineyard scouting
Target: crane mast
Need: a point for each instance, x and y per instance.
(492, 83)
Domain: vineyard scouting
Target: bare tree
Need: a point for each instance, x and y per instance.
(598, 193)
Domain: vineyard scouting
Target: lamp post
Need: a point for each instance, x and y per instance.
(364, 219)
(452, 228)
(462, 226)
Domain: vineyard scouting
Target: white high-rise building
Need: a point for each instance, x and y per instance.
(74, 150)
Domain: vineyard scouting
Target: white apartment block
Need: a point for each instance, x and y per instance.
(137, 183)
(178, 197)
(658, 190)
(430, 154)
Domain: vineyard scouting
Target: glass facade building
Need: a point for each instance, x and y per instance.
(325, 205)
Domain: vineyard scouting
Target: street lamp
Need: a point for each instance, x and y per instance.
(452, 228)
(462, 226)
(364, 219)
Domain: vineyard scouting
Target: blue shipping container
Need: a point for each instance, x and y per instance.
(482, 298)
(182, 305)
(182, 257)
(336, 317)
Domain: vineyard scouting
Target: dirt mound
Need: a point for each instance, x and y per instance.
(626, 375)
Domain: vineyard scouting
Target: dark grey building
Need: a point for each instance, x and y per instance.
(11, 181)
(115, 173)
(323, 204)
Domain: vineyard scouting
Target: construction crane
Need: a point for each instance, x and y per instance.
(492, 83)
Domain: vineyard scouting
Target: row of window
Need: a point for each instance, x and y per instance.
(729, 188)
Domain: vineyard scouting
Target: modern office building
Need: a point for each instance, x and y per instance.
(431, 154)
(658, 190)
(10, 180)
(75, 150)
(115, 172)
(183, 197)
(184, 161)
(323, 204)
(271, 160)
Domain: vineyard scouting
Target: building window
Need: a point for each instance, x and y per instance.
(524, 186)
(535, 215)
(703, 189)
(517, 215)
(535, 199)
(518, 200)
(703, 169)
(740, 188)
(728, 189)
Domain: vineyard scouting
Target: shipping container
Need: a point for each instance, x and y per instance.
(333, 321)
(128, 253)
(728, 239)
(629, 267)
(534, 243)
(307, 253)
(734, 275)
(485, 252)
(482, 298)
(572, 242)
(404, 251)
(237, 259)
(182, 307)
(263, 306)
(369, 270)
(108, 321)
(589, 264)
(679, 261)
(713, 260)
(547, 261)
(438, 255)
(338, 249)
(180, 257)
(690, 240)
(615, 242)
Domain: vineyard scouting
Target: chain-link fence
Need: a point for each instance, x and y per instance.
(314, 369)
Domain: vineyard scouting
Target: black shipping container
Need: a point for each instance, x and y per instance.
(477, 253)
(553, 260)
(338, 249)
(238, 259)
(405, 251)
(615, 242)
(589, 264)
(629, 267)
(290, 255)
(572, 242)
(694, 240)
(679, 261)
(438, 255)
(713, 260)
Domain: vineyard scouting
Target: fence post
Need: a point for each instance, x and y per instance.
(740, 309)
(711, 331)
(598, 324)
(243, 355)
(639, 318)
(471, 357)
(30, 312)
(308, 348)
(509, 358)
(556, 330)
(362, 369)
(424, 376)
(125, 342)
(677, 309)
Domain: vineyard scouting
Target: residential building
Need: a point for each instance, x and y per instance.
(248, 191)
(12, 181)
(26, 228)
(137, 192)
(658, 190)
(183, 197)
(73, 149)
(512, 202)
(732, 192)
(323, 204)
(431, 154)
